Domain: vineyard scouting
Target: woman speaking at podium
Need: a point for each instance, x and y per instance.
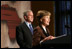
(41, 32)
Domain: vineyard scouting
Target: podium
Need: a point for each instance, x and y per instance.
(59, 42)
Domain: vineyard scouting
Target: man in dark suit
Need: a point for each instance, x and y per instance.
(24, 31)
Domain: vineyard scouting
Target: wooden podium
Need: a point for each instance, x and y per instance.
(10, 15)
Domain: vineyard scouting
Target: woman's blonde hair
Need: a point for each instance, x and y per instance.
(42, 13)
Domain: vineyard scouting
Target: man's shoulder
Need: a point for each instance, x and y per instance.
(21, 24)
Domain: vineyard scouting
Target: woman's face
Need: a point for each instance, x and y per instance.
(45, 20)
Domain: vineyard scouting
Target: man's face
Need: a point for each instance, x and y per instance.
(30, 17)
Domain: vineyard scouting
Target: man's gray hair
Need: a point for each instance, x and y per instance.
(26, 12)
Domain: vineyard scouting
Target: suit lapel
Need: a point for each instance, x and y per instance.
(44, 31)
(47, 32)
(26, 28)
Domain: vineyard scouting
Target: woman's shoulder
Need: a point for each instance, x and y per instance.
(37, 31)
(37, 28)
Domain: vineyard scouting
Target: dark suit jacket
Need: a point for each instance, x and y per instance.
(39, 34)
(24, 36)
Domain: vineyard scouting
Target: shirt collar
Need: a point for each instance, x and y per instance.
(44, 29)
(27, 23)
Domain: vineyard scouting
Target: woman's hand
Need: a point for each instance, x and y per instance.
(53, 38)
(48, 38)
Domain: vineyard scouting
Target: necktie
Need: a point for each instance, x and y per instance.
(31, 28)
